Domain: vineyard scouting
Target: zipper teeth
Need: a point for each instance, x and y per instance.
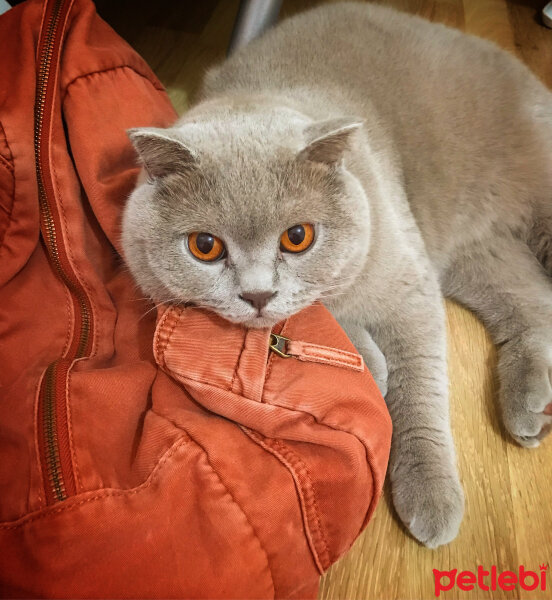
(46, 213)
(49, 420)
(52, 456)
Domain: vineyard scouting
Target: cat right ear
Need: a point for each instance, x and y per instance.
(328, 140)
(161, 153)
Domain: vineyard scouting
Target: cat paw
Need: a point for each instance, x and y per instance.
(431, 508)
(526, 392)
(378, 369)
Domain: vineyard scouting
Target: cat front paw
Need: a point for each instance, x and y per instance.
(431, 507)
(525, 369)
(375, 361)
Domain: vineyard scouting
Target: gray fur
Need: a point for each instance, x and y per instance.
(446, 187)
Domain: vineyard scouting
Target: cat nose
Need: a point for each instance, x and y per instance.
(257, 300)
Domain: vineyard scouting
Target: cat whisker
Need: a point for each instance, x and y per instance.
(141, 299)
(154, 307)
(333, 294)
(158, 304)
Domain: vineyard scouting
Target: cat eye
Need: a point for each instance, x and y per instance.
(205, 246)
(297, 238)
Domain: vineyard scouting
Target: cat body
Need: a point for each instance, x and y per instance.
(422, 156)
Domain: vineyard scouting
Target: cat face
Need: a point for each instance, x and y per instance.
(246, 222)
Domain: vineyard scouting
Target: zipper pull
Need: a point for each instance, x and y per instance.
(278, 344)
(286, 348)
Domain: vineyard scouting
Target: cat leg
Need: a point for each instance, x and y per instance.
(505, 285)
(410, 331)
(372, 355)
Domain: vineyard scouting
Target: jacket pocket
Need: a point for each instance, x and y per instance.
(305, 397)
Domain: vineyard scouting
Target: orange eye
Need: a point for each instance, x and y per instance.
(297, 238)
(206, 246)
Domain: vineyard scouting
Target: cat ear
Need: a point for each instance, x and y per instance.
(161, 153)
(328, 140)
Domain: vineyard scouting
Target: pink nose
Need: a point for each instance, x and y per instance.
(257, 300)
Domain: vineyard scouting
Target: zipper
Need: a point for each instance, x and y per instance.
(278, 344)
(53, 430)
(307, 352)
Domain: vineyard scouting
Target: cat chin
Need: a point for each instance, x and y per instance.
(260, 323)
(267, 321)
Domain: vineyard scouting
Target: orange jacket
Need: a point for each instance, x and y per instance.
(144, 456)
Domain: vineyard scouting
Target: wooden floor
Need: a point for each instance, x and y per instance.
(508, 519)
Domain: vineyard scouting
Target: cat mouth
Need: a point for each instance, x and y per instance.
(264, 319)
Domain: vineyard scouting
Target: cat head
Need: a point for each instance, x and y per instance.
(252, 216)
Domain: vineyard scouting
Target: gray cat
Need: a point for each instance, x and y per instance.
(376, 162)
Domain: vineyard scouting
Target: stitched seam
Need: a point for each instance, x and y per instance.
(106, 493)
(314, 347)
(257, 537)
(9, 156)
(319, 352)
(368, 450)
(44, 7)
(351, 361)
(11, 168)
(161, 345)
(9, 214)
(101, 71)
(307, 497)
(68, 309)
(42, 478)
(302, 469)
(314, 350)
(5, 162)
(187, 378)
(333, 361)
(76, 470)
(236, 368)
(157, 340)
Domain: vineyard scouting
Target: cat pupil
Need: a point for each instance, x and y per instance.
(296, 234)
(205, 242)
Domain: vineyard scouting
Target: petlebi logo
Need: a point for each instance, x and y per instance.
(491, 579)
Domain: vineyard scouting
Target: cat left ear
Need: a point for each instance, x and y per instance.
(161, 153)
(328, 140)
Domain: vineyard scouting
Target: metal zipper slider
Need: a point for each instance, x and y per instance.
(278, 345)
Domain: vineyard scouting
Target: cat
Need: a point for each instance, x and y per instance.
(375, 162)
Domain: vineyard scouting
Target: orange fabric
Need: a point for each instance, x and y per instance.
(142, 456)
(325, 355)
